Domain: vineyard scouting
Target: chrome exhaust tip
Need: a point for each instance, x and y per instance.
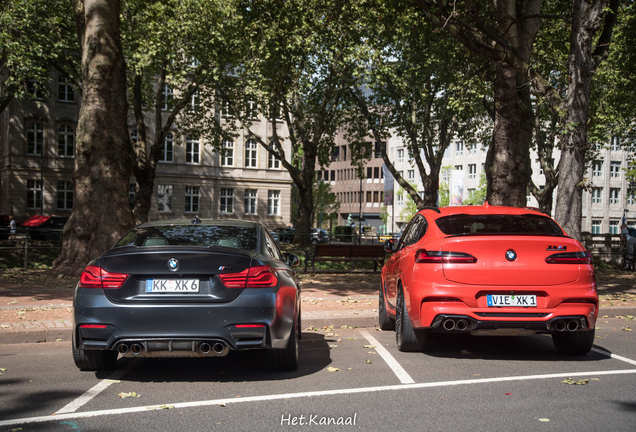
(205, 348)
(220, 349)
(136, 349)
(560, 326)
(123, 349)
(449, 324)
(573, 325)
(461, 325)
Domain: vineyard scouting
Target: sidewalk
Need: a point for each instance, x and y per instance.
(39, 308)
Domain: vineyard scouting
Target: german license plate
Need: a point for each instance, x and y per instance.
(512, 300)
(172, 285)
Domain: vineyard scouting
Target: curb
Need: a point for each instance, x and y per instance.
(65, 334)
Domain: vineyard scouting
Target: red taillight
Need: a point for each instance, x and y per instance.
(443, 257)
(250, 325)
(570, 258)
(255, 277)
(97, 277)
(94, 326)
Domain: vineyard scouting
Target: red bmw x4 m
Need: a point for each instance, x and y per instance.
(488, 270)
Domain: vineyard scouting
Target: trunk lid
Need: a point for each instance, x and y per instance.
(529, 267)
(194, 264)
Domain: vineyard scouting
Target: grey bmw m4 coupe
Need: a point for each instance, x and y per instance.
(184, 288)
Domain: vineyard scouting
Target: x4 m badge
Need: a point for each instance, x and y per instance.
(557, 248)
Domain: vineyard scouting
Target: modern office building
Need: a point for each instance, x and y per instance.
(37, 149)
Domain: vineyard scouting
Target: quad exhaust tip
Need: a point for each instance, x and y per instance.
(563, 325)
(136, 349)
(123, 349)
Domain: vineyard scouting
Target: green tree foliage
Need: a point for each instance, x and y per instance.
(326, 204)
(478, 197)
(35, 36)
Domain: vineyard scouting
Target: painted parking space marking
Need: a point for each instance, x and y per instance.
(397, 369)
(614, 356)
(97, 389)
(235, 400)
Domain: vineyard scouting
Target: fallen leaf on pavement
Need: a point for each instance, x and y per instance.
(369, 346)
(333, 346)
(368, 362)
(544, 420)
(222, 405)
(627, 329)
(333, 369)
(508, 394)
(571, 381)
(127, 395)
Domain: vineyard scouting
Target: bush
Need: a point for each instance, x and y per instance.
(343, 233)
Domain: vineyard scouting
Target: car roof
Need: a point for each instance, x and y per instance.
(478, 210)
(204, 222)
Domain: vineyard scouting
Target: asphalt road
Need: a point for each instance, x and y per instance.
(459, 384)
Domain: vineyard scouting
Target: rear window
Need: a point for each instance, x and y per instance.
(237, 237)
(529, 224)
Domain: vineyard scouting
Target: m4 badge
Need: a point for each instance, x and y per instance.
(557, 248)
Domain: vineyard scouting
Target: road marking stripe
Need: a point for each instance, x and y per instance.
(397, 369)
(100, 387)
(308, 394)
(614, 356)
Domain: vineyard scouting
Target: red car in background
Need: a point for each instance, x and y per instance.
(488, 270)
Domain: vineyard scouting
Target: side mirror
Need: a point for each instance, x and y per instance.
(389, 245)
(291, 259)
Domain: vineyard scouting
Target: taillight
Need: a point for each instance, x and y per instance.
(250, 325)
(94, 326)
(570, 258)
(254, 277)
(443, 257)
(97, 277)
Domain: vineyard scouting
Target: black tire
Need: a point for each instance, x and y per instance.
(285, 360)
(407, 338)
(384, 320)
(94, 360)
(575, 343)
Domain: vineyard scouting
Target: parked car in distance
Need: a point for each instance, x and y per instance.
(319, 235)
(44, 227)
(180, 289)
(488, 270)
(285, 235)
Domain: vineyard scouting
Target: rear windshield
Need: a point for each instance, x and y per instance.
(191, 235)
(499, 224)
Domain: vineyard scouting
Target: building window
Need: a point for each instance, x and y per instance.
(376, 172)
(252, 110)
(596, 227)
(64, 195)
(273, 202)
(376, 196)
(250, 153)
(597, 169)
(472, 171)
(378, 149)
(195, 102)
(193, 155)
(400, 155)
(164, 198)
(597, 195)
(614, 195)
(227, 200)
(65, 141)
(333, 175)
(35, 90)
(250, 201)
(472, 148)
(459, 148)
(615, 169)
(225, 109)
(614, 228)
(35, 138)
(369, 197)
(344, 152)
(34, 194)
(65, 92)
(335, 154)
(411, 174)
(167, 151)
(616, 143)
(459, 167)
(191, 199)
(168, 96)
(227, 157)
(471, 193)
(369, 172)
(400, 199)
(631, 198)
(274, 162)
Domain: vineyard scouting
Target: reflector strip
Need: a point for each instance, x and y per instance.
(97, 326)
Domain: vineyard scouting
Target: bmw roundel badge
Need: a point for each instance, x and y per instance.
(173, 264)
(511, 255)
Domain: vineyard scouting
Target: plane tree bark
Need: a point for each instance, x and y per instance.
(101, 212)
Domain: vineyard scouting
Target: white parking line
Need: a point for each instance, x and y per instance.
(397, 369)
(307, 394)
(614, 356)
(97, 389)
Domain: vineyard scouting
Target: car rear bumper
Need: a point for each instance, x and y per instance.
(256, 319)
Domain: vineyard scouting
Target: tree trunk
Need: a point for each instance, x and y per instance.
(101, 212)
(586, 20)
(305, 210)
(143, 195)
(508, 168)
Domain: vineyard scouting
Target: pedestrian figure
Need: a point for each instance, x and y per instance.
(12, 228)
